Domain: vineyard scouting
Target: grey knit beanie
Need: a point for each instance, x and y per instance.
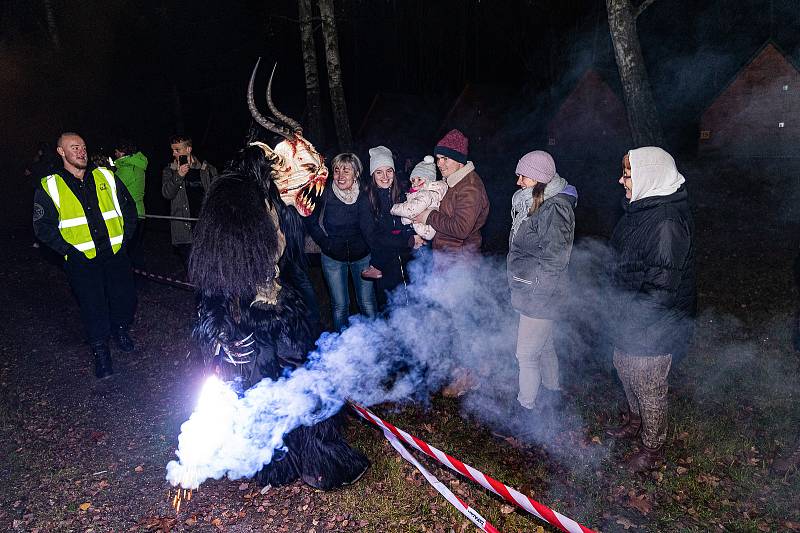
(380, 156)
(425, 169)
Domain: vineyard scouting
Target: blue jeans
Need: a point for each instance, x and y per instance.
(335, 273)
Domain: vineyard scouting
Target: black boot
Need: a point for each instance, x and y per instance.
(102, 359)
(122, 339)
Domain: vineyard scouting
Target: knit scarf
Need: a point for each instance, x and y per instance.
(349, 196)
(522, 201)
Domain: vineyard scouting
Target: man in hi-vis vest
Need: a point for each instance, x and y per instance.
(88, 216)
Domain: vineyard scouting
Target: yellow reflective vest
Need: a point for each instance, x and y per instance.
(72, 223)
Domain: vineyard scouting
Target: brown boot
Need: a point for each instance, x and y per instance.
(645, 459)
(790, 460)
(630, 428)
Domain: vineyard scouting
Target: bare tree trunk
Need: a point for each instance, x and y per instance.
(313, 100)
(335, 75)
(642, 112)
(52, 28)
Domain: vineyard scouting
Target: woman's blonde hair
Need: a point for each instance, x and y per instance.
(348, 158)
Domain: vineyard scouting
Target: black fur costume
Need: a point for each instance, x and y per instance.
(243, 307)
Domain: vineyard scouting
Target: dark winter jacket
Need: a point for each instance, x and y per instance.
(653, 276)
(339, 228)
(390, 241)
(173, 188)
(538, 257)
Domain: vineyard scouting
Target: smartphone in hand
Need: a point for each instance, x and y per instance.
(183, 160)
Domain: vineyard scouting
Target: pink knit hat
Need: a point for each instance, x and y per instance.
(538, 166)
(454, 145)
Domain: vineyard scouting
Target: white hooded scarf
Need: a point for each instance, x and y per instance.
(653, 173)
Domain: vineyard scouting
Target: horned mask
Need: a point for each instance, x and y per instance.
(298, 169)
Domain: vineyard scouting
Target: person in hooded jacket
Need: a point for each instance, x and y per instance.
(130, 166)
(654, 295)
(540, 244)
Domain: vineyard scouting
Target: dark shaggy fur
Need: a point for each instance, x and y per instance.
(233, 253)
(234, 241)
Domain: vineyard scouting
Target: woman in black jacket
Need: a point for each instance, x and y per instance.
(338, 226)
(653, 277)
(390, 241)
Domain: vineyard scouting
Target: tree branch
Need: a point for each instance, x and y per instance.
(644, 5)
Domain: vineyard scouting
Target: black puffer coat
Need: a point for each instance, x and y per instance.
(338, 228)
(653, 276)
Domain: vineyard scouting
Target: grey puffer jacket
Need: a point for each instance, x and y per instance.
(539, 254)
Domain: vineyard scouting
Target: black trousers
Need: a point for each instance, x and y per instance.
(105, 292)
(136, 246)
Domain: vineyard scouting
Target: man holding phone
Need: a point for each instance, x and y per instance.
(185, 182)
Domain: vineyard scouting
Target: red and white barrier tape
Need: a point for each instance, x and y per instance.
(164, 217)
(164, 279)
(474, 516)
(510, 494)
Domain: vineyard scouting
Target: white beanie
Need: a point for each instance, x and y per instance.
(380, 156)
(425, 169)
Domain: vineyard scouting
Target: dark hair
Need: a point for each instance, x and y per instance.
(126, 146)
(178, 138)
(538, 197)
(372, 192)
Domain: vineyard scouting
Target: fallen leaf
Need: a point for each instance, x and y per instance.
(84, 506)
(506, 509)
(516, 443)
(681, 470)
(640, 503)
(596, 440)
(244, 486)
(139, 469)
(624, 522)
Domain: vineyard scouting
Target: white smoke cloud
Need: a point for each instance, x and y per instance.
(458, 316)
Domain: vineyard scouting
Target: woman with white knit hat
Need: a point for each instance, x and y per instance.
(390, 242)
(540, 244)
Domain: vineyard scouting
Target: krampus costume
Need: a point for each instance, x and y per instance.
(252, 323)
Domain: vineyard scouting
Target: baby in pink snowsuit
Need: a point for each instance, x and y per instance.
(425, 193)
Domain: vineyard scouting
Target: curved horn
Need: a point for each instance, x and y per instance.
(293, 124)
(258, 117)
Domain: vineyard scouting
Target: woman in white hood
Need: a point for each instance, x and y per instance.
(654, 295)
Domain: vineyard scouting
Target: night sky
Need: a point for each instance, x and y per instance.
(145, 69)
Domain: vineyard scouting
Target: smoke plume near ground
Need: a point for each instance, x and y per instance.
(458, 316)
